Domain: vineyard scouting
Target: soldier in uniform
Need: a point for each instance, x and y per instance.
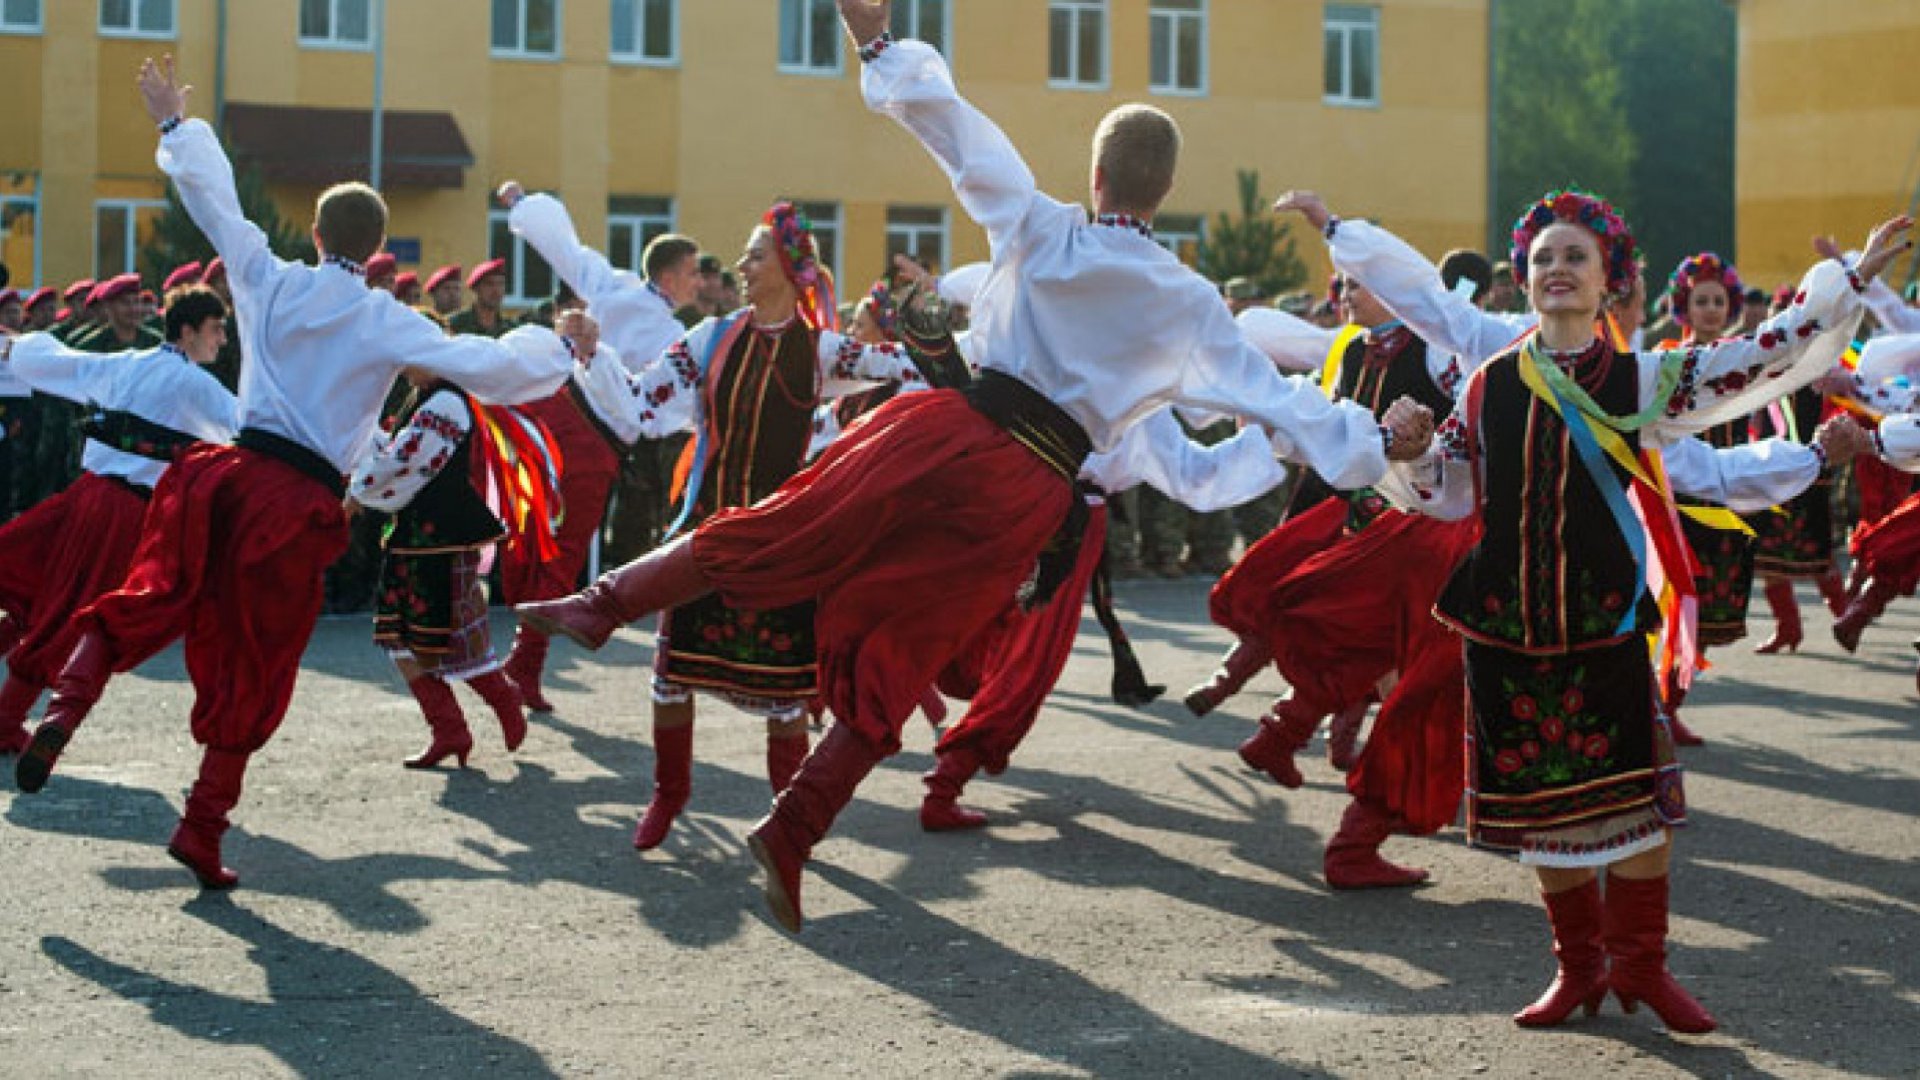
(488, 283)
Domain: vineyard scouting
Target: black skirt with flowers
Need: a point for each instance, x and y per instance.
(749, 656)
(1725, 580)
(1796, 540)
(1561, 741)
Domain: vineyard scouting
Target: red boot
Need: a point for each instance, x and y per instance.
(1682, 734)
(501, 696)
(1343, 736)
(785, 752)
(444, 719)
(672, 784)
(17, 696)
(661, 579)
(803, 813)
(1636, 935)
(525, 664)
(1242, 662)
(941, 811)
(1874, 597)
(1353, 855)
(1282, 733)
(74, 693)
(1582, 979)
(196, 841)
(1786, 615)
(1833, 592)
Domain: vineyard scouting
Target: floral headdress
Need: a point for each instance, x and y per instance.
(1590, 212)
(1695, 269)
(800, 261)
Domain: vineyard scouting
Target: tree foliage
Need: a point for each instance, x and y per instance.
(176, 239)
(1254, 244)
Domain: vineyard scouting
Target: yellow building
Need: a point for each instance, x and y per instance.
(1829, 127)
(696, 114)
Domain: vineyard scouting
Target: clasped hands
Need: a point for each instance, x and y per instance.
(1412, 426)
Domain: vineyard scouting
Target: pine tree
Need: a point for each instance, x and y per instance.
(176, 239)
(1253, 245)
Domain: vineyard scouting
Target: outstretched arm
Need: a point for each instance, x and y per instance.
(637, 319)
(191, 155)
(909, 81)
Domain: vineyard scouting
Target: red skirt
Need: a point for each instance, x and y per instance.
(57, 558)
(1013, 665)
(589, 467)
(912, 531)
(231, 555)
(1889, 548)
(1882, 488)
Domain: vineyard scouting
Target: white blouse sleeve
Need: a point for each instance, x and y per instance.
(1898, 440)
(1894, 314)
(46, 364)
(848, 367)
(192, 157)
(397, 470)
(1205, 478)
(635, 319)
(1747, 478)
(1441, 482)
(1412, 289)
(1293, 344)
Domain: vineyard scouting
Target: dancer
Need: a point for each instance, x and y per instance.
(236, 538)
(76, 546)
(748, 384)
(914, 528)
(1570, 767)
(592, 417)
(1886, 547)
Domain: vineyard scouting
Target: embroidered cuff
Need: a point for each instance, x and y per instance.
(1853, 278)
(1386, 439)
(171, 122)
(871, 50)
(1333, 226)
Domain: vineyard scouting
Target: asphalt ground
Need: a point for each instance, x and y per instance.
(1142, 906)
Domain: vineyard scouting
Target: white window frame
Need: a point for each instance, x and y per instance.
(639, 222)
(37, 26)
(1077, 8)
(914, 233)
(132, 208)
(517, 257)
(520, 51)
(1168, 235)
(832, 224)
(914, 29)
(1173, 18)
(132, 29)
(806, 41)
(641, 58)
(32, 202)
(333, 41)
(1343, 20)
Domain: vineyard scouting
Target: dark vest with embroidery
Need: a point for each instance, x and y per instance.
(1376, 381)
(449, 513)
(1552, 573)
(761, 412)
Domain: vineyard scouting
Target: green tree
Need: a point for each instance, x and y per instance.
(176, 239)
(1254, 244)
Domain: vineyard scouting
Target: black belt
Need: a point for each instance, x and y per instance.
(285, 450)
(1056, 439)
(120, 430)
(580, 401)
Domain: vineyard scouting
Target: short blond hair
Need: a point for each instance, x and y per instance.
(351, 220)
(1136, 148)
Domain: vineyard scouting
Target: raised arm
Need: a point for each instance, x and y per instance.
(1895, 314)
(848, 367)
(396, 470)
(635, 317)
(1205, 478)
(909, 81)
(191, 156)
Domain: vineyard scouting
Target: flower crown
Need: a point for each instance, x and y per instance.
(1590, 212)
(1695, 269)
(886, 315)
(793, 239)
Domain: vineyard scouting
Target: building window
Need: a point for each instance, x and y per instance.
(136, 18)
(1181, 234)
(120, 228)
(919, 231)
(1077, 43)
(646, 31)
(19, 16)
(20, 232)
(529, 278)
(526, 28)
(1178, 46)
(335, 24)
(1353, 55)
(922, 20)
(632, 223)
(825, 217)
(810, 37)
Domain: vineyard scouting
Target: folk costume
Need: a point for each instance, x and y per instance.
(142, 408)
(1570, 764)
(592, 420)
(236, 537)
(430, 610)
(1011, 667)
(1794, 540)
(1081, 329)
(1886, 549)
